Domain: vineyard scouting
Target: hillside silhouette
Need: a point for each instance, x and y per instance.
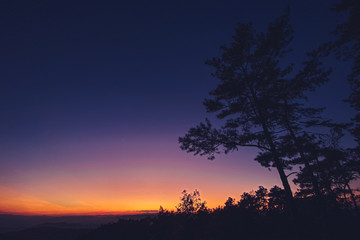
(260, 214)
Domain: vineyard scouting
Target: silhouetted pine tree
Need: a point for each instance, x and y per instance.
(249, 72)
(260, 101)
(299, 123)
(335, 168)
(347, 47)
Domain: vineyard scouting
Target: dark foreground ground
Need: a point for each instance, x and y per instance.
(227, 223)
(19, 227)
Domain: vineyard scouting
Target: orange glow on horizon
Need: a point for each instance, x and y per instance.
(101, 178)
(13, 202)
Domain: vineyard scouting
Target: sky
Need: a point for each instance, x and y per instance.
(94, 95)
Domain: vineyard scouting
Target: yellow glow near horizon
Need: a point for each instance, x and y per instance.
(13, 202)
(96, 180)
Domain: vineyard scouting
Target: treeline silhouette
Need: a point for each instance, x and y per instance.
(260, 214)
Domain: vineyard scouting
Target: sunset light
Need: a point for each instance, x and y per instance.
(179, 120)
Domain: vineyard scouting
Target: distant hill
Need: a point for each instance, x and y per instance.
(45, 233)
(13, 223)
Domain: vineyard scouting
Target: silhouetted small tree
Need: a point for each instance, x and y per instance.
(255, 200)
(261, 199)
(247, 201)
(277, 199)
(230, 203)
(191, 203)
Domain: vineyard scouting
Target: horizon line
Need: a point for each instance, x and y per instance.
(107, 213)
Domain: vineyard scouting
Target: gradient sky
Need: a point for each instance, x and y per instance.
(94, 95)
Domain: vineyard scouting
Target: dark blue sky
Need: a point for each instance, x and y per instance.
(75, 71)
(82, 65)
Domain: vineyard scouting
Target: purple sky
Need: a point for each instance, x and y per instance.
(94, 95)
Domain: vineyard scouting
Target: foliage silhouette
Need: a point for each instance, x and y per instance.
(257, 215)
(336, 169)
(191, 203)
(260, 100)
(345, 163)
(347, 47)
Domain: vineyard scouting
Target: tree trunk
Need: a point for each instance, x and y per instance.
(279, 165)
(352, 197)
(280, 169)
